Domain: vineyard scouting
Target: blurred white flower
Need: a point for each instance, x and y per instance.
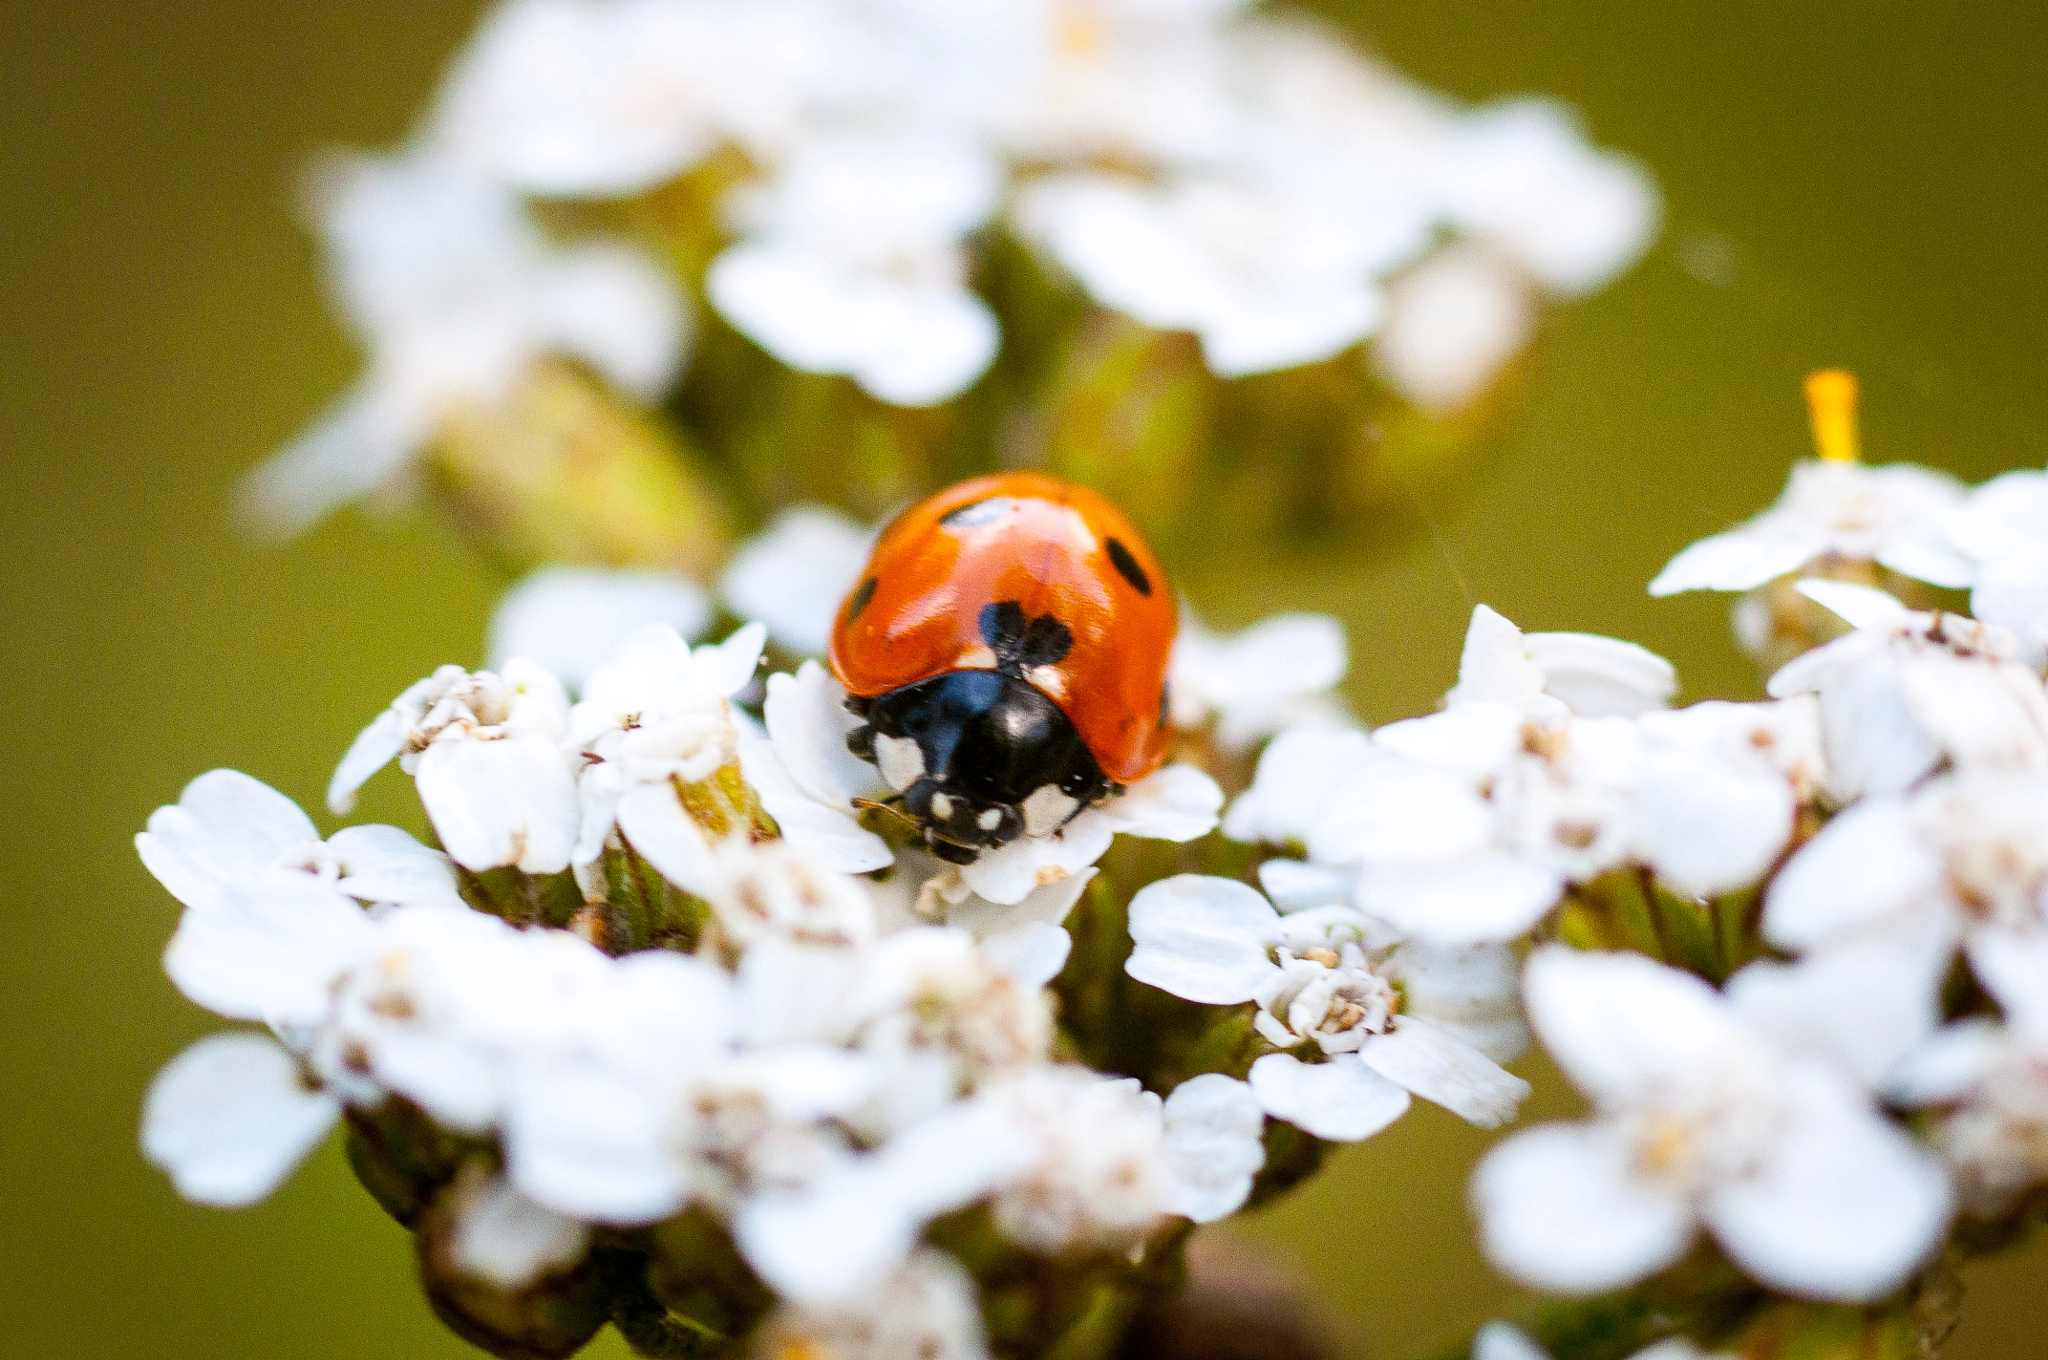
(851, 263)
(1267, 276)
(507, 1240)
(793, 575)
(809, 783)
(1831, 510)
(228, 830)
(1521, 174)
(571, 620)
(1297, 776)
(1503, 1341)
(928, 1308)
(656, 716)
(1699, 1121)
(1349, 995)
(1908, 690)
(485, 753)
(1991, 1078)
(1277, 673)
(2002, 528)
(455, 293)
(1453, 323)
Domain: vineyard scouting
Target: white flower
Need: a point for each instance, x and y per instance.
(227, 831)
(656, 716)
(1887, 889)
(1297, 774)
(809, 783)
(1268, 276)
(1548, 674)
(230, 1117)
(571, 620)
(1699, 1120)
(928, 1309)
(1832, 509)
(1348, 995)
(507, 1240)
(1278, 673)
(2002, 528)
(485, 751)
(1453, 323)
(1992, 1079)
(455, 293)
(793, 575)
(852, 264)
(1907, 690)
(607, 98)
(1503, 1341)
(1520, 174)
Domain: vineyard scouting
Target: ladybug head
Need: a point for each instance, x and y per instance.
(979, 758)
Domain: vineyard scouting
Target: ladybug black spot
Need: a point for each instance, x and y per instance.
(860, 598)
(1128, 568)
(1022, 643)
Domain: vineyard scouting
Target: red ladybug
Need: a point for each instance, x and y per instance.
(1007, 645)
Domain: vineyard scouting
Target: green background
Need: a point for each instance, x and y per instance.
(1867, 181)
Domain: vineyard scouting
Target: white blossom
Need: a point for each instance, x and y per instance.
(1503, 1341)
(571, 620)
(1549, 674)
(1907, 690)
(485, 753)
(455, 293)
(656, 716)
(1831, 510)
(851, 263)
(1278, 673)
(228, 830)
(1358, 1019)
(793, 575)
(928, 1309)
(1453, 323)
(507, 1240)
(1699, 1121)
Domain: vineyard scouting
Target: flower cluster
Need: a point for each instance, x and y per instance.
(851, 185)
(662, 1030)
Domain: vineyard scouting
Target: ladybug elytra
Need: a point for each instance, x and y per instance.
(1007, 645)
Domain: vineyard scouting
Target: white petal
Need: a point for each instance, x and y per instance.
(1740, 559)
(1049, 905)
(385, 864)
(1619, 1024)
(1295, 886)
(793, 575)
(652, 818)
(353, 447)
(1473, 994)
(1949, 1065)
(508, 1240)
(1010, 873)
(1397, 812)
(1342, 1099)
(1601, 677)
(1202, 938)
(1561, 1208)
(595, 1146)
(1495, 666)
(1175, 803)
(1844, 1208)
(270, 951)
(1500, 1341)
(1213, 1145)
(1866, 864)
(374, 747)
(1440, 1068)
(572, 620)
(1297, 773)
(1710, 826)
(1030, 954)
(506, 802)
(822, 832)
(229, 1118)
(1861, 606)
(616, 307)
(1476, 900)
(808, 722)
(1863, 1003)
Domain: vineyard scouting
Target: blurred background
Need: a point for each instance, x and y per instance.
(1846, 183)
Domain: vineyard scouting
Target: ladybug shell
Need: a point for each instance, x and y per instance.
(945, 568)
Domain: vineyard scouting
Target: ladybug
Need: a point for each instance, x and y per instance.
(1006, 646)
